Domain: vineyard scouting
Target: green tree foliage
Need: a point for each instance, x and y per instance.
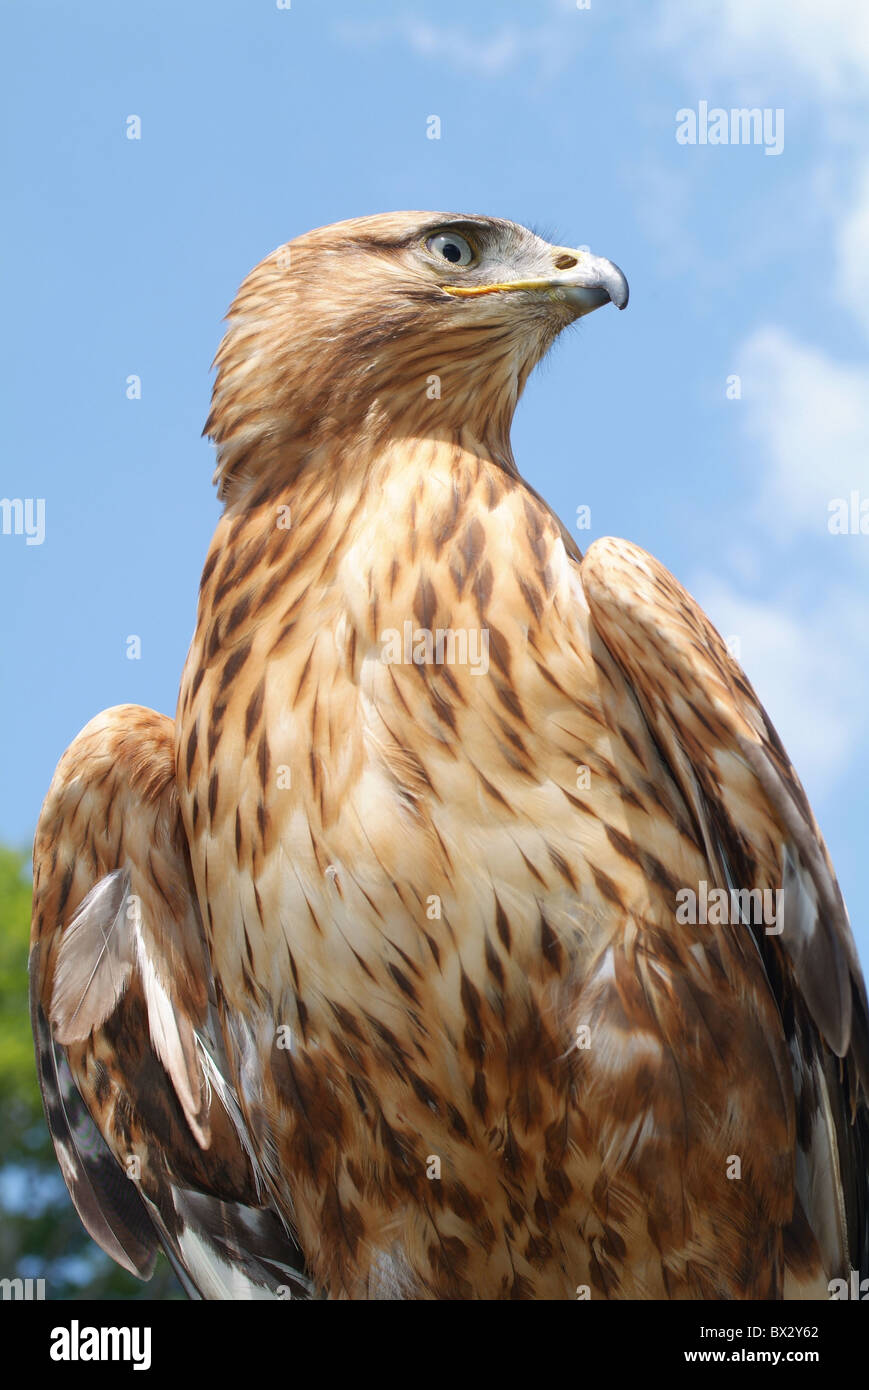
(40, 1233)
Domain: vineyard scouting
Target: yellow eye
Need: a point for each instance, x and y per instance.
(450, 247)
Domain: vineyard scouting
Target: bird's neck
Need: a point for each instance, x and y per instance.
(358, 474)
(363, 531)
(339, 534)
(360, 425)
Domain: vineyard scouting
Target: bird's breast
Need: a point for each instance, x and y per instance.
(396, 730)
(413, 787)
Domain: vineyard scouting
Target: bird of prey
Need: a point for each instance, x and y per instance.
(468, 933)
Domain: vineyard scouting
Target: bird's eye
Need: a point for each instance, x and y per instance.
(451, 247)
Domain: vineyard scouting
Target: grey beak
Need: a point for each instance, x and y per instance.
(593, 281)
(585, 285)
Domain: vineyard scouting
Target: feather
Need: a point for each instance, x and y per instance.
(94, 961)
(110, 1207)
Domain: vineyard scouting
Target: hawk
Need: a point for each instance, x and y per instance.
(468, 933)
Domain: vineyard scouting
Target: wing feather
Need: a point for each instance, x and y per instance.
(753, 817)
(110, 1206)
(135, 1080)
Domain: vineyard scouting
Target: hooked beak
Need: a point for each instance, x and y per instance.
(580, 279)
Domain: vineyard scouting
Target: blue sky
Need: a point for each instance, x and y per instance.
(258, 123)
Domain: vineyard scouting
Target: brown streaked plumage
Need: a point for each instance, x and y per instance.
(374, 960)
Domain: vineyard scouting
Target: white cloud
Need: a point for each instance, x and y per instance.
(810, 416)
(852, 248)
(546, 46)
(488, 54)
(824, 41)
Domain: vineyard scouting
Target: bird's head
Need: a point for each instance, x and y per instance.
(404, 324)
